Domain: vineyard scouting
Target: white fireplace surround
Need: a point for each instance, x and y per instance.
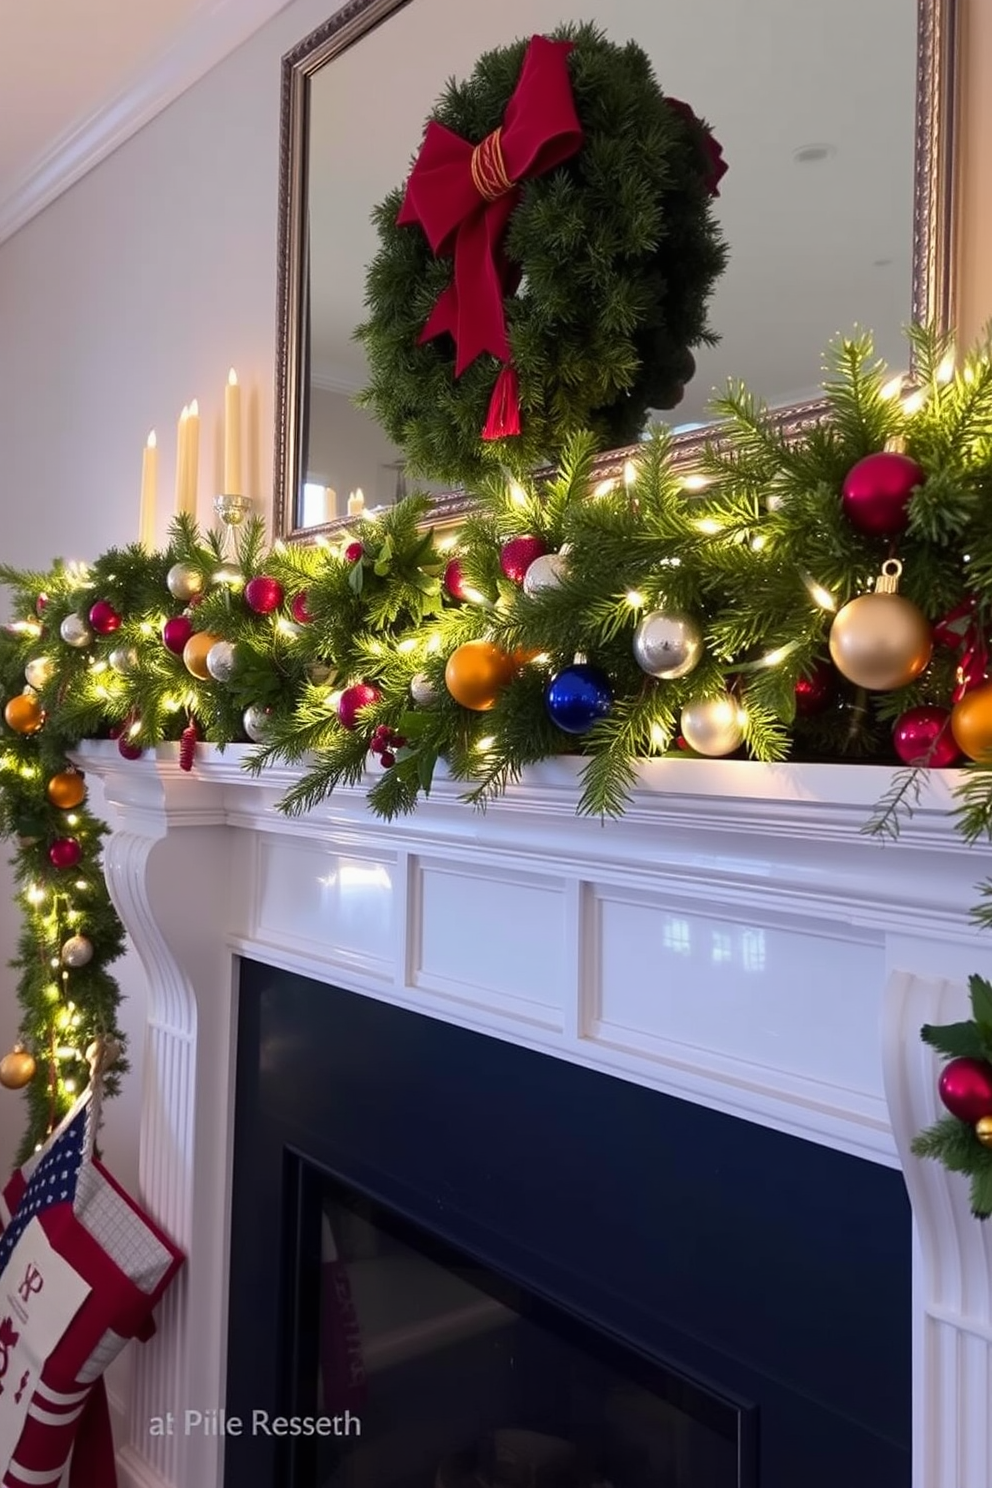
(734, 940)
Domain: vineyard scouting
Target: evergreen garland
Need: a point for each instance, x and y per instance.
(753, 545)
(618, 252)
(955, 1142)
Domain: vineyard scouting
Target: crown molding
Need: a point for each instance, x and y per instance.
(216, 30)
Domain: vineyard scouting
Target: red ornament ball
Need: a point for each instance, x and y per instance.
(128, 749)
(298, 608)
(965, 1087)
(354, 552)
(264, 594)
(876, 491)
(64, 852)
(814, 692)
(41, 605)
(362, 695)
(517, 555)
(104, 618)
(454, 579)
(922, 736)
(175, 633)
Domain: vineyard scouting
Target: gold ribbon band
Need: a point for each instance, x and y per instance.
(489, 174)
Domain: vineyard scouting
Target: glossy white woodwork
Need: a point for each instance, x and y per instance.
(734, 940)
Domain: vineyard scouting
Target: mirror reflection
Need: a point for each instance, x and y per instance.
(813, 104)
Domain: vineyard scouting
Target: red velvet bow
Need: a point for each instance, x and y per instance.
(716, 165)
(960, 628)
(462, 195)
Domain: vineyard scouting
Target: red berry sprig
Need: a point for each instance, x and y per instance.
(384, 742)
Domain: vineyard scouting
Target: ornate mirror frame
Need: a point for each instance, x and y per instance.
(933, 254)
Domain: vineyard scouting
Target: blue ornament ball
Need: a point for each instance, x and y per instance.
(577, 697)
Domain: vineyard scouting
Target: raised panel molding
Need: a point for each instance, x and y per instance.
(212, 34)
(735, 940)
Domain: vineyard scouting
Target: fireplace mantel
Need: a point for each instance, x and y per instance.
(734, 940)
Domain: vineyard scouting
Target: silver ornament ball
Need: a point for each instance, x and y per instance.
(423, 691)
(256, 722)
(75, 631)
(713, 726)
(77, 951)
(668, 644)
(545, 573)
(39, 672)
(123, 659)
(228, 573)
(220, 661)
(184, 581)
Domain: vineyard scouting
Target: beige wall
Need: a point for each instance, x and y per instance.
(137, 290)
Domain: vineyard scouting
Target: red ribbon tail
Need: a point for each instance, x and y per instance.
(503, 418)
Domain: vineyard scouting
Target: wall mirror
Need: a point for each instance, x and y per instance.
(836, 120)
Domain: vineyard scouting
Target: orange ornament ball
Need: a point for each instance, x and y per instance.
(971, 723)
(477, 673)
(195, 653)
(24, 714)
(67, 790)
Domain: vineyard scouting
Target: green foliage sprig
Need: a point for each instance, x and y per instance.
(950, 1141)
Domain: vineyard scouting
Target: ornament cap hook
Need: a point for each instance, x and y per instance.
(888, 580)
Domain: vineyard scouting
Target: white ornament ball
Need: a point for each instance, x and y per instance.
(423, 691)
(184, 581)
(39, 672)
(123, 659)
(75, 631)
(77, 951)
(668, 644)
(220, 661)
(545, 573)
(713, 726)
(256, 722)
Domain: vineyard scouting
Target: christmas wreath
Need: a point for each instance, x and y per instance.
(548, 265)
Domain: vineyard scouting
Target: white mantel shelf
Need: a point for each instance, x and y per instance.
(735, 939)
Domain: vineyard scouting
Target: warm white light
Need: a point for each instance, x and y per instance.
(945, 371)
(758, 542)
(434, 644)
(232, 380)
(695, 482)
(69, 1085)
(134, 730)
(473, 595)
(36, 894)
(408, 645)
(26, 627)
(634, 599)
(517, 494)
(741, 718)
(893, 388)
(72, 821)
(659, 739)
(287, 628)
(541, 659)
(446, 543)
(913, 403)
(333, 698)
(772, 658)
(484, 745)
(603, 489)
(708, 527)
(629, 473)
(819, 595)
(81, 883)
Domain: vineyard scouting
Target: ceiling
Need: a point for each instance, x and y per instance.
(815, 246)
(78, 77)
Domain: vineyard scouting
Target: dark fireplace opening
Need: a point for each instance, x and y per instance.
(431, 1370)
(516, 1272)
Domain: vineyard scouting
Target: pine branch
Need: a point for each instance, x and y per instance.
(896, 805)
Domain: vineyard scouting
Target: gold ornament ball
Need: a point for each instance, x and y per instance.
(67, 789)
(195, 653)
(713, 726)
(17, 1068)
(880, 641)
(24, 714)
(477, 673)
(971, 723)
(983, 1130)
